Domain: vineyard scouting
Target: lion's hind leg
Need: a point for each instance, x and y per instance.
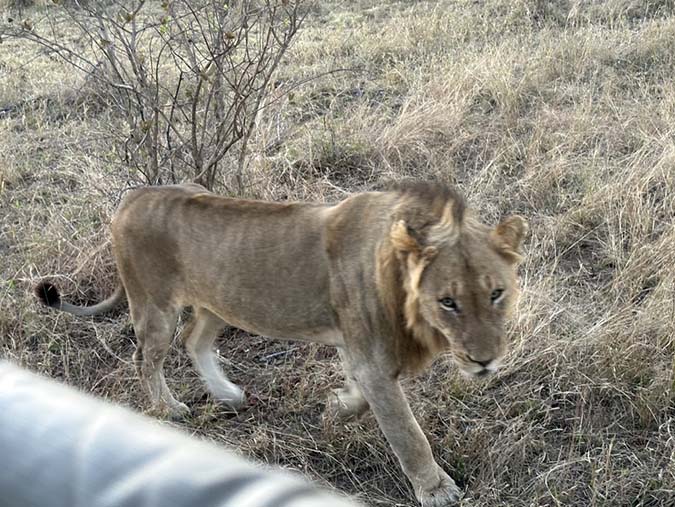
(154, 328)
(199, 344)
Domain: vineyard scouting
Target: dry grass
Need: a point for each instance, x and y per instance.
(561, 111)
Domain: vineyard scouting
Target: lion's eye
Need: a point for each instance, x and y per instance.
(449, 304)
(496, 295)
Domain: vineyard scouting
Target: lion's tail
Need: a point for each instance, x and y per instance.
(49, 295)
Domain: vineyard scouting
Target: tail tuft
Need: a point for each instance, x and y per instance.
(48, 294)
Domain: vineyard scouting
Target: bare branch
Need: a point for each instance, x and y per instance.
(187, 81)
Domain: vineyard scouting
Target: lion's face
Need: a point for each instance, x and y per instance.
(459, 280)
(468, 297)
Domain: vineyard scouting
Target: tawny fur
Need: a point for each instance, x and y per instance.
(366, 275)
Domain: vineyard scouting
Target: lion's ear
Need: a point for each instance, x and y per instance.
(403, 238)
(446, 229)
(508, 237)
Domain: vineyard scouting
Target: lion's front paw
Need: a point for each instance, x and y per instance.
(443, 494)
(345, 405)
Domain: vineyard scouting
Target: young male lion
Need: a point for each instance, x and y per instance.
(391, 278)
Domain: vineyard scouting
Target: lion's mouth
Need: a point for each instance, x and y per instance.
(475, 371)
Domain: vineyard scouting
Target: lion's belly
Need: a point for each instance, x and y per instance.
(332, 337)
(323, 335)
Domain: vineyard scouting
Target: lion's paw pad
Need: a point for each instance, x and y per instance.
(447, 493)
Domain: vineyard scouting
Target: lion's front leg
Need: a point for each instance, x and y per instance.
(433, 487)
(346, 403)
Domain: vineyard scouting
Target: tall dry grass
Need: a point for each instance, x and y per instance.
(560, 111)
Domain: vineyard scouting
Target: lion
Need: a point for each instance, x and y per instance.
(391, 278)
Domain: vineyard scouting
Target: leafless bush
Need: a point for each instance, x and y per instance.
(188, 78)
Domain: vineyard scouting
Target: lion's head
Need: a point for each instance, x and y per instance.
(459, 277)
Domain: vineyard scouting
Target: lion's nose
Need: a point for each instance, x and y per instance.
(484, 364)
